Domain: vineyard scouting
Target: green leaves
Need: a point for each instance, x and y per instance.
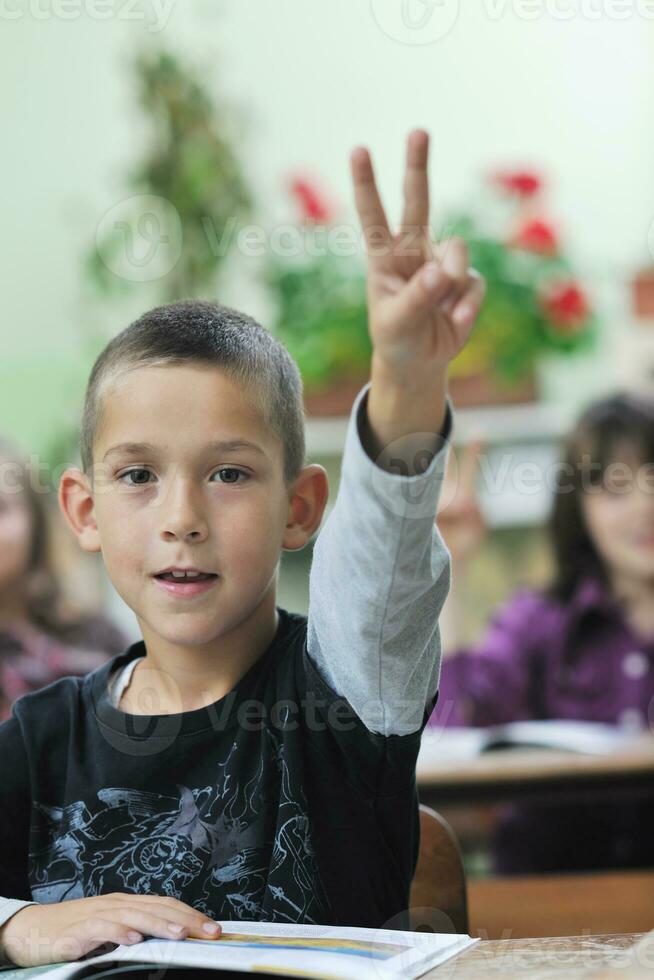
(187, 162)
(513, 330)
(322, 315)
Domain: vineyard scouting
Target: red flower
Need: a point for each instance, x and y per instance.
(566, 306)
(313, 207)
(524, 183)
(536, 236)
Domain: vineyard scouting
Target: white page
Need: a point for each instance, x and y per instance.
(449, 745)
(375, 953)
(446, 745)
(587, 737)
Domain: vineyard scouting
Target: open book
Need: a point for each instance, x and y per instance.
(269, 948)
(453, 744)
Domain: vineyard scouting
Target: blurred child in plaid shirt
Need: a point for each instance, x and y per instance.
(39, 641)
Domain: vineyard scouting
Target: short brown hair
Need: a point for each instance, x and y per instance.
(205, 332)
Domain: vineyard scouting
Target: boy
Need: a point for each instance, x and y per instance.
(242, 761)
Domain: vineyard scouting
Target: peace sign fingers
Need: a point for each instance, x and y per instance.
(370, 208)
(415, 220)
(422, 297)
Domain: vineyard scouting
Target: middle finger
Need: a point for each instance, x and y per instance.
(415, 219)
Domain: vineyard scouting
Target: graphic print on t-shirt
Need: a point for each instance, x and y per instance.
(231, 850)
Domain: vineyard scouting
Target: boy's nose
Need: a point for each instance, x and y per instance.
(182, 516)
(195, 535)
(184, 526)
(183, 530)
(196, 530)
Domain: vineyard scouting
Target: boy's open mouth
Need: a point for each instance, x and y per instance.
(198, 577)
(186, 585)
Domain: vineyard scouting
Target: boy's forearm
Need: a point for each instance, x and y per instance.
(405, 419)
(377, 584)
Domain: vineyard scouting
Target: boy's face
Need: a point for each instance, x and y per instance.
(184, 503)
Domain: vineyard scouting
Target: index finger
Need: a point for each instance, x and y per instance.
(367, 200)
(174, 904)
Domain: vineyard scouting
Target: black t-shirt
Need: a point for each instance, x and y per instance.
(274, 803)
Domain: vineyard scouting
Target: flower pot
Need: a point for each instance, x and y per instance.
(466, 391)
(482, 388)
(643, 294)
(336, 398)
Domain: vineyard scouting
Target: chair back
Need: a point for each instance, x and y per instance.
(438, 892)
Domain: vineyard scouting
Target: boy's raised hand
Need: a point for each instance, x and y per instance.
(422, 296)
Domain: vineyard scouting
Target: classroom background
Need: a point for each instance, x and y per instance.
(293, 87)
(157, 150)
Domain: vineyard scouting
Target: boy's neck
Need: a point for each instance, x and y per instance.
(172, 680)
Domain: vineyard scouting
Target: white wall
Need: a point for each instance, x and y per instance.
(313, 79)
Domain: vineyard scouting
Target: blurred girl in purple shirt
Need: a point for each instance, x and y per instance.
(582, 648)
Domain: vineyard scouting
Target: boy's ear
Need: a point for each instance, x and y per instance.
(76, 503)
(307, 500)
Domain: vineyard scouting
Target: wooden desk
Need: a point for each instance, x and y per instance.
(537, 774)
(572, 958)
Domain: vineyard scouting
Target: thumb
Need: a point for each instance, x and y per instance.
(429, 285)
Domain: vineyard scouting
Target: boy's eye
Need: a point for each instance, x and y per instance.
(131, 473)
(142, 483)
(234, 472)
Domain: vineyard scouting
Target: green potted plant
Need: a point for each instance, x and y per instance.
(534, 304)
(321, 314)
(184, 189)
(188, 172)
